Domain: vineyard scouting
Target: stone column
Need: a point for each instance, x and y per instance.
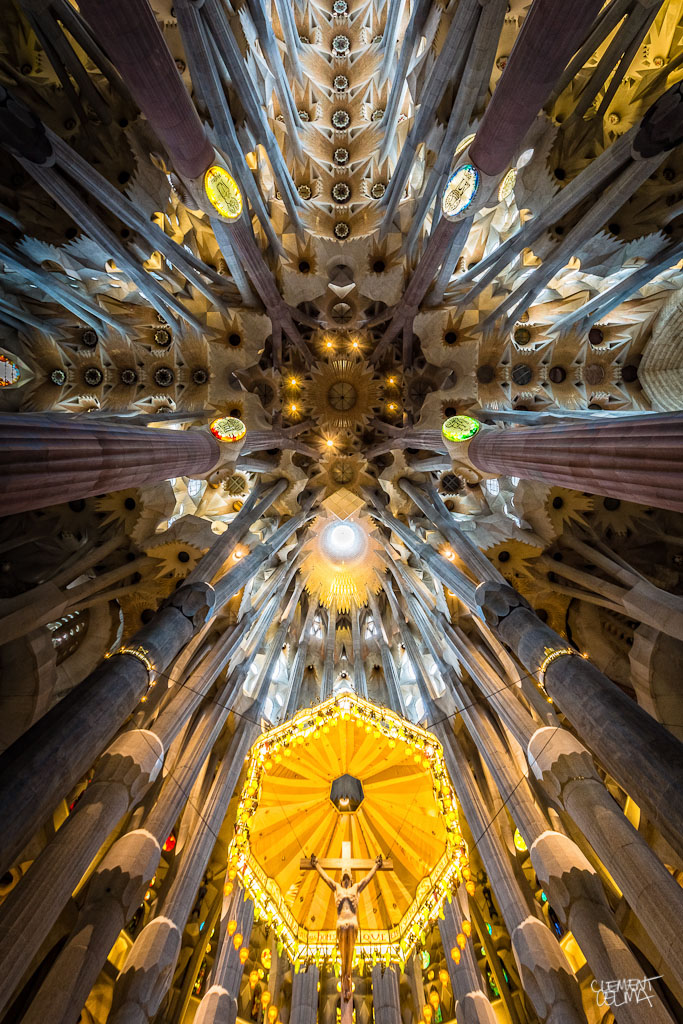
(219, 1002)
(257, 503)
(394, 694)
(305, 997)
(550, 36)
(573, 885)
(48, 458)
(115, 891)
(545, 972)
(122, 776)
(327, 684)
(472, 1005)
(55, 753)
(297, 671)
(637, 458)
(49, 759)
(566, 769)
(360, 683)
(385, 995)
(130, 35)
(643, 756)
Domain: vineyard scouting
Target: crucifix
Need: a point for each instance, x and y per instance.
(346, 896)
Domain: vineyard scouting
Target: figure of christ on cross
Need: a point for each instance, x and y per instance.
(346, 900)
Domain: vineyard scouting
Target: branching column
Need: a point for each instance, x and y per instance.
(46, 459)
(297, 672)
(53, 755)
(129, 33)
(305, 997)
(643, 756)
(386, 1000)
(219, 1003)
(545, 972)
(637, 458)
(472, 1005)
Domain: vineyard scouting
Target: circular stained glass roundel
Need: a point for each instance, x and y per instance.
(9, 372)
(461, 189)
(507, 185)
(460, 428)
(222, 192)
(228, 428)
(341, 44)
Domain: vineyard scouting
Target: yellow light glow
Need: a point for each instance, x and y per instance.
(292, 407)
(264, 777)
(293, 381)
(391, 380)
(519, 841)
(222, 192)
(329, 443)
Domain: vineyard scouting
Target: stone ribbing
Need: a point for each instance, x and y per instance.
(52, 458)
(637, 459)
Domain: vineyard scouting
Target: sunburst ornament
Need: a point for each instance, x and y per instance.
(565, 506)
(342, 394)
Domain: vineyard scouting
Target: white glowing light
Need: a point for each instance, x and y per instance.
(342, 537)
(343, 541)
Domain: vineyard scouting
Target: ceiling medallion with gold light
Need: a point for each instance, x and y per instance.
(342, 394)
(341, 559)
(390, 765)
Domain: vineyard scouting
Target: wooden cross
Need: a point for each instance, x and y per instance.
(345, 861)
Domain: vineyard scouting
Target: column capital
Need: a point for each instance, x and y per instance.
(497, 600)
(556, 758)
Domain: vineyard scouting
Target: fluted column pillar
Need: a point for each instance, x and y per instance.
(297, 672)
(360, 683)
(219, 1002)
(472, 1005)
(551, 34)
(643, 756)
(567, 771)
(46, 459)
(385, 995)
(388, 667)
(543, 967)
(129, 33)
(49, 759)
(117, 888)
(637, 458)
(327, 684)
(305, 997)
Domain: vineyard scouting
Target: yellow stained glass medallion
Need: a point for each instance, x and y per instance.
(222, 192)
